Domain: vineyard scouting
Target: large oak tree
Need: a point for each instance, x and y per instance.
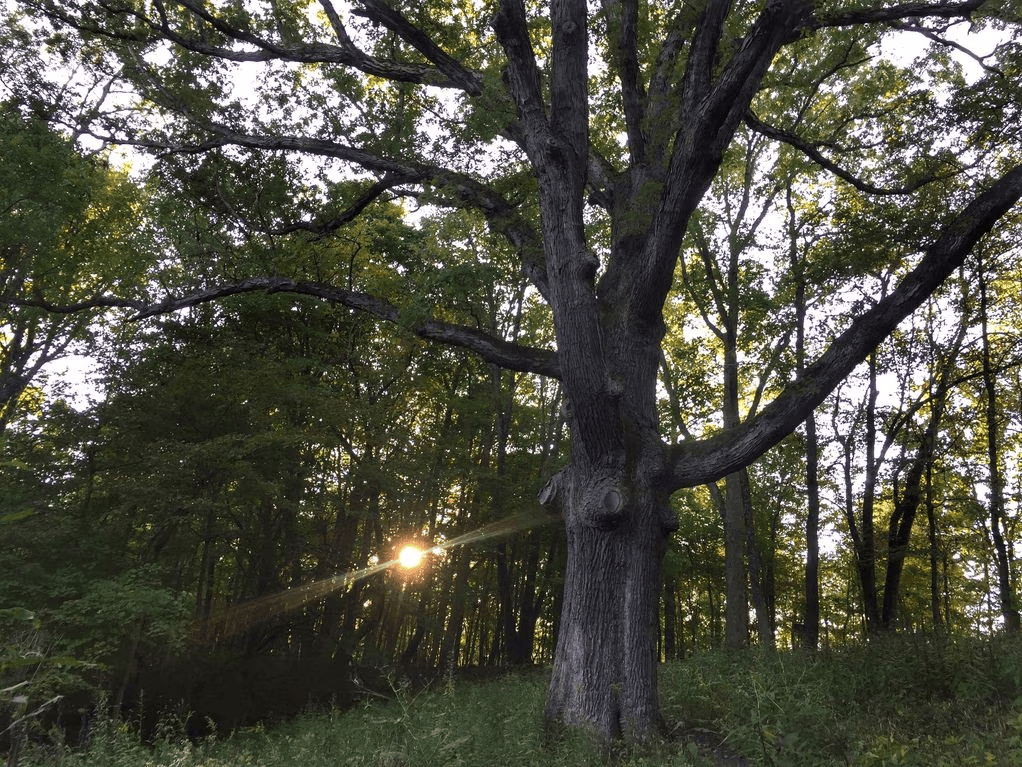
(587, 135)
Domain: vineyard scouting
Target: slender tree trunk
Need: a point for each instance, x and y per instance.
(1008, 604)
(449, 648)
(811, 615)
(736, 604)
(906, 503)
(520, 608)
(425, 607)
(759, 577)
(505, 593)
(207, 568)
(864, 536)
(934, 553)
(670, 598)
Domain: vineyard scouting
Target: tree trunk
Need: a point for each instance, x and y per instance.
(670, 618)
(604, 677)
(207, 568)
(736, 604)
(519, 608)
(906, 506)
(810, 638)
(450, 647)
(811, 619)
(760, 579)
(863, 537)
(934, 551)
(1008, 604)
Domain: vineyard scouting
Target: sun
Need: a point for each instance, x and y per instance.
(409, 557)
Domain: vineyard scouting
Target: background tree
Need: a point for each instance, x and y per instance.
(68, 225)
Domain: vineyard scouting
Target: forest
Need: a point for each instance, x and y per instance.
(350, 346)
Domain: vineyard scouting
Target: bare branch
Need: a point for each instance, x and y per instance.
(931, 35)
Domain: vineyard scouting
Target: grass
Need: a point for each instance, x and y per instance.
(900, 701)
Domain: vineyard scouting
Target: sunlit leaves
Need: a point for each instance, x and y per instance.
(70, 229)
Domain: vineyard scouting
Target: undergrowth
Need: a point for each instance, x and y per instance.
(896, 701)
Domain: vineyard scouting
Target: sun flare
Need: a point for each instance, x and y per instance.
(409, 557)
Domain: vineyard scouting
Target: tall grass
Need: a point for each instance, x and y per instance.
(896, 701)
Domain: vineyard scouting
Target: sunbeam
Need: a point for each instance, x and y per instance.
(243, 616)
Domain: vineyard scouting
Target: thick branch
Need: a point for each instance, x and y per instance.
(624, 16)
(838, 18)
(498, 351)
(382, 13)
(522, 73)
(713, 110)
(463, 191)
(703, 53)
(697, 462)
(255, 48)
(569, 80)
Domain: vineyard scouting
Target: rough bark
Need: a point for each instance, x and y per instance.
(604, 677)
(736, 601)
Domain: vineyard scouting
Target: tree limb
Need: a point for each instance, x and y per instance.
(623, 17)
(929, 34)
(462, 190)
(814, 154)
(569, 80)
(382, 13)
(522, 71)
(259, 49)
(498, 351)
(697, 462)
(712, 110)
(839, 18)
(349, 214)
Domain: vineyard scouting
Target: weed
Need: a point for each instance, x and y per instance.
(898, 701)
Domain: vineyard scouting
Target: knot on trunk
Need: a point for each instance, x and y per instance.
(604, 504)
(597, 501)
